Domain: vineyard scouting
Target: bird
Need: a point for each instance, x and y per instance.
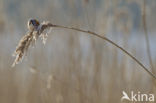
(33, 24)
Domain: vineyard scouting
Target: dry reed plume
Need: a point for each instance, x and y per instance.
(35, 30)
(40, 30)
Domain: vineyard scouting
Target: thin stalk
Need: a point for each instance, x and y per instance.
(111, 42)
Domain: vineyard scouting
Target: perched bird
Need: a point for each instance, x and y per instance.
(33, 24)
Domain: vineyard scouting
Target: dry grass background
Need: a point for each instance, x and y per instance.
(74, 67)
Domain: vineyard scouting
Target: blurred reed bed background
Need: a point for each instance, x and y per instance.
(74, 67)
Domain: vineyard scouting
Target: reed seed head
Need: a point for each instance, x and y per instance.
(35, 30)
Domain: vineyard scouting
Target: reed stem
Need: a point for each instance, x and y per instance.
(111, 42)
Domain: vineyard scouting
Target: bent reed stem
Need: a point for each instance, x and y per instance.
(111, 42)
